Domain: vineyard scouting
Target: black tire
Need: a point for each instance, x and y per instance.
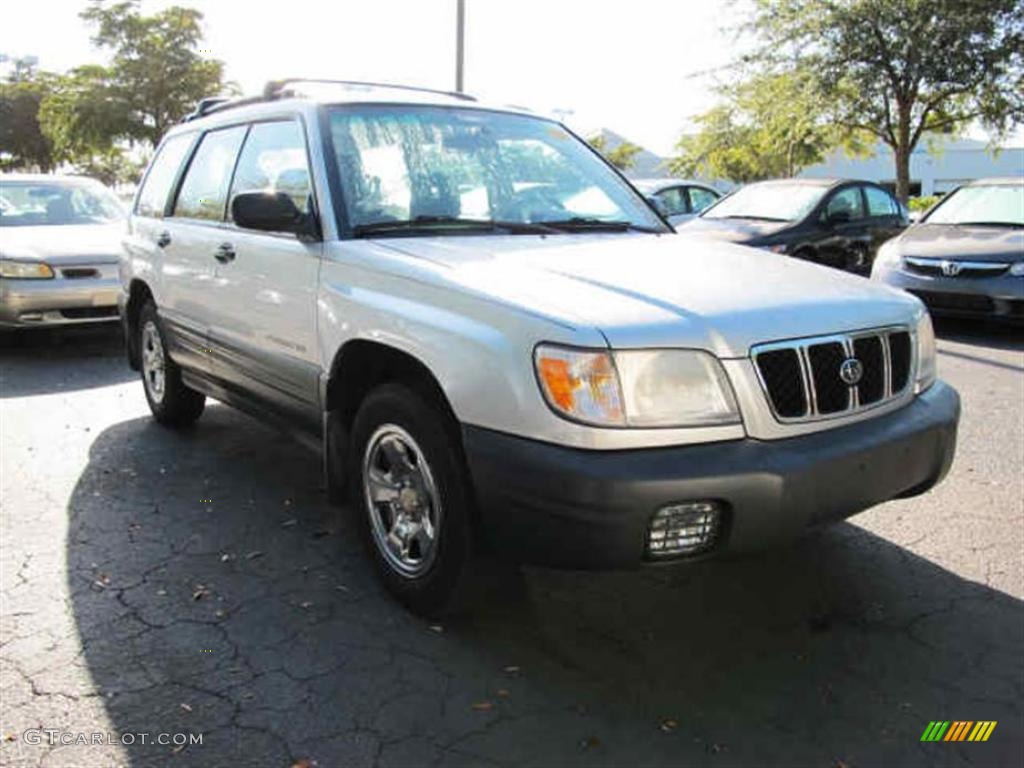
(178, 405)
(453, 580)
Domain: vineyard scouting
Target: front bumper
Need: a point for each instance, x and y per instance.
(994, 298)
(60, 300)
(573, 508)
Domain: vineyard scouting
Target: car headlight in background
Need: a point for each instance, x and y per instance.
(25, 270)
(1017, 270)
(926, 365)
(888, 255)
(636, 388)
(777, 248)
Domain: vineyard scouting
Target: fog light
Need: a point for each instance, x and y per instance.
(686, 528)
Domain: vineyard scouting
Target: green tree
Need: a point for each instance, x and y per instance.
(22, 141)
(898, 69)
(157, 74)
(622, 156)
(84, 116)
(767, 126)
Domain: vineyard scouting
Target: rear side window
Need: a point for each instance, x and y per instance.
(274, 160)
(880, 202)
(162, 172)
(205, 188)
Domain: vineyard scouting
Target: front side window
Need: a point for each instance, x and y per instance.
(162, 172)
(46, 203)
(991, 204)
(701, 198)
(768, 202)
(205, 189)
(845, 205)
(674, 200)
(455, 167)
(274, 160)
(880, 202)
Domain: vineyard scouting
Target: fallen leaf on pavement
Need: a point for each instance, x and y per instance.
(669, 725)
(512, 669)
(185, 706)
(254, 555)
(483, 706)
(289, 523)
(590, 742)
(307, 604)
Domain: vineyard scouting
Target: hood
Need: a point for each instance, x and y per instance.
(733, 230)
(670, 290)
(65, 244)
(970, 243)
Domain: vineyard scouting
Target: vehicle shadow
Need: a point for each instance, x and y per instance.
(214, 594)
(980, 333)
(45, 361)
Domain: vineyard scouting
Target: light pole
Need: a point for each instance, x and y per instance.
(460, 50)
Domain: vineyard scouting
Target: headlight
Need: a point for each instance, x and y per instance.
(888, 255)
(777, 248)
(1017, 270)
(636, 388)
(926, 366)
(25, 270)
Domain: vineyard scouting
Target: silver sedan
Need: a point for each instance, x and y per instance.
(59, 245)
(966, 256)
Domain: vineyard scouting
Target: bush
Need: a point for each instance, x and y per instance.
(922, 203)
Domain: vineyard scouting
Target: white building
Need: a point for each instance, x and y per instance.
(934, 169)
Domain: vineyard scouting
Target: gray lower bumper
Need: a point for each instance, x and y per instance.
(591, 509)
(997, 298)
(39, 303)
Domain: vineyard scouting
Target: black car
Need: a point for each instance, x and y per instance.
(837, 222)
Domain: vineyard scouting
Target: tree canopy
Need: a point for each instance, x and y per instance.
(622, 156)
(767, 126)
(898, 69)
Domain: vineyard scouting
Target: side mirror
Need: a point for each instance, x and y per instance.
(269, 212)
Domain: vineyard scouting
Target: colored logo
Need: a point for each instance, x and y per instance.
(851, 371)
(958, 730)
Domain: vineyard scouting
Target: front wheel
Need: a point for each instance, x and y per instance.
(171, 402)
(411, 492)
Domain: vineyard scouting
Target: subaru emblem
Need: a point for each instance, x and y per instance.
(851, 371)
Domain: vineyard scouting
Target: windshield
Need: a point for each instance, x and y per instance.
(468, 169)
(51, 203)
(997, 204)
(770, 202)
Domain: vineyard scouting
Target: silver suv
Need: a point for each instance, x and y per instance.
(502, 350)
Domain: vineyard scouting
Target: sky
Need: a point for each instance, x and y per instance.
(635, 68)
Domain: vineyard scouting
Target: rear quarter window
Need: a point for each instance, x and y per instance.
(880, 202)
(162, 171)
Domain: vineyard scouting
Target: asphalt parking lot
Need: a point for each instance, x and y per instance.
(155, 582)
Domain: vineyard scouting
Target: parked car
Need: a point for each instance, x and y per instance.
(60, 238)
(837, 222)
(500, 349)
(966, 257)
(678, 199)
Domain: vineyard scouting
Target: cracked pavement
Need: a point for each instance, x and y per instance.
(198, 582)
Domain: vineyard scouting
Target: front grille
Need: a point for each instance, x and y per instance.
(79, 273)
(803, 381)
(89, 313)
(956, 302)
(954, 267)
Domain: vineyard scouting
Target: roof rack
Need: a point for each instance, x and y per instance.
(275, 89)
(278, 89)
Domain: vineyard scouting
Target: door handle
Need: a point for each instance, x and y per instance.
(163, 239)
(224, 253)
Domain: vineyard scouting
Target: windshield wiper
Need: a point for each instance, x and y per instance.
(1012, 224)
(585, 224)
(426, 223)
(754, 218)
